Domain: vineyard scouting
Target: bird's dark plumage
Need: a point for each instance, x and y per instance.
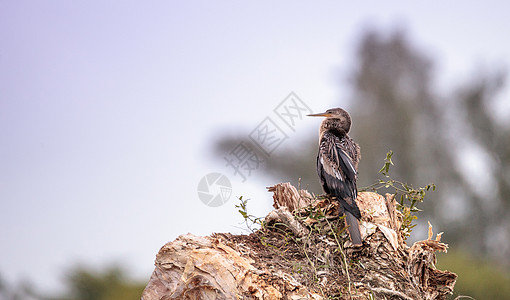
(337, 166)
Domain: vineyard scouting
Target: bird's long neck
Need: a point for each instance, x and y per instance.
(338, 127)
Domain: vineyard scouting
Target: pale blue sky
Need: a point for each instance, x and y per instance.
(108, 109)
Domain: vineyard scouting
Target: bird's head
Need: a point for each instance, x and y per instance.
(335, 118)
(335, 113)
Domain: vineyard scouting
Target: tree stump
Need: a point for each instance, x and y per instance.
(302, 252)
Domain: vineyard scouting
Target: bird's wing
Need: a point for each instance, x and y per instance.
(337, 173)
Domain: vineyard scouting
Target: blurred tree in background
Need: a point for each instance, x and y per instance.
(22, 291)
(110, 283)
(451, 138)
(396, 107)
(82, 283)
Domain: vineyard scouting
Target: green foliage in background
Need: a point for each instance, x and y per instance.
(110, 283)
(478, 277)
(81, 283)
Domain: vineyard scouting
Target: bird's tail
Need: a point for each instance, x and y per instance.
(353, 228)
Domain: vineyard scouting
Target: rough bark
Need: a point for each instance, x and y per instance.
(300, 255)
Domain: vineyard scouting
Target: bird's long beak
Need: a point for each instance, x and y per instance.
(320, 115)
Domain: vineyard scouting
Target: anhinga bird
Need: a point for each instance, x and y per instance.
(337, 166)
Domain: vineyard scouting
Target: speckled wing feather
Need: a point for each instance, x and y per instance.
(337, 170)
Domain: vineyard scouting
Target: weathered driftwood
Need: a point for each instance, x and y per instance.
(298, 257)
(194, 267)
(284, 194)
